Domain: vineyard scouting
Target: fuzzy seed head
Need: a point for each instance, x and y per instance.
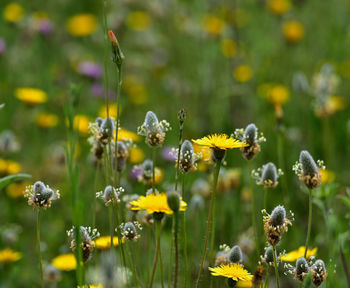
(147, 167)
(129, 231)
(39, 187)
(99, 121)
(301, 266)
(278, 215)
(151, 122)
(308, 164)
(250, 133)
(269, 255)
(269, 174)
(107, 127)
(235, 255)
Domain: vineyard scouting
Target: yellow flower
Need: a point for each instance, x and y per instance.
(82, 24)
(65, 262)
(16, 190)
(104, 242)
(293, 31)
(81, 123)
(46, 120)
(158, 177)
(138, 94)
(213, 25)
(327, 176)
(155, 203)
(278, 95)
(124, 135)
(139, 20)
(244, 284)
(13, 167)
(8, 255)
(228, 48)
(294, 255)
(204, 151)
(13, 12)
(136, 155)
(220, 142)
(31, 96)
(112, 111)
(243, 73)
(278, 7)
(91, 286)
(232, 270)
(335, 104)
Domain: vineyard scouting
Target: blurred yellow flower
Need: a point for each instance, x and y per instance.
(82, 24)
(204, 151)
(293, 31)
(244, 284)
(91, 286)
(8, 255)
(65, 262)
(278, 94)
(158, 177)
(139, 20)
(112, 111)
(294, 255)
(17, 190)
(327, 176)
(8, 167)
(81, 123)
(335, 104)
(228, 48)
(31, 96)
(104, 242)
(46, 120)
(243, 73)
(124, 135)
(136, 155)
(278, 7)
(137, 94)
(13, 12)
(213, 25)
(155, 203)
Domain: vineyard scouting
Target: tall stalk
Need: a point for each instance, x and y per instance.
(156, 252)
(175, 216)
(276, 270)
(111, 225)
(266, 191)
(39, 249)
(132, 257)
(309, 223)
(255, 229)
(184, 233)
(210, 219)
(178, 157)
(153, 169)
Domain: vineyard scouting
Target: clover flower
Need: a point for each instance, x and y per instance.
(40, 195)
(153, 130)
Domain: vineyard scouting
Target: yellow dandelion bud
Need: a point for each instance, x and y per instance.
(243, 73)
(139, 20)
(13, 12)
(82, 25)
(293, 31)
(228, 48)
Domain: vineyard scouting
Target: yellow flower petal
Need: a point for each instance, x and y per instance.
(31, 96)
(8, 255)
(82, 24)
(220, 141)
(232, 270)
(65, 262)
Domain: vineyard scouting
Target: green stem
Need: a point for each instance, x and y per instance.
(210, 216)
(153, 169)
(132, 257)
(161, 265)
(39, 249)
(266, 285)
(266, 191)
(345, 265)
(184, 233)
(94, 205)
(178, 157)
(176, 249)
(117, 174)
(255, 229)
(276, 270)
(106, 58)
(156, 253)
(111, 225)
(309, 223)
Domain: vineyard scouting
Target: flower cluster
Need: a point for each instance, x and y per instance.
(40, 195)
(110, 194)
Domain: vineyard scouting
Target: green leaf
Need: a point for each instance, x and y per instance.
(12, 178)
(307, 281)
(345, 199)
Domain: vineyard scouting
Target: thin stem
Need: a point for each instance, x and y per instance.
(309, 224)
(276, 270)
(39, 249)
(117, 174)
(210, 215)
(345, 265)
(178, 157)
(161, 265)
(94, 205)
(106, 58)
(253, 210)
(280, 154)
(153, 169)
(176, 248)
(266, 285)
(132, 256)
(266, 191)
(184, 232)
(111, 225)
(157, 224)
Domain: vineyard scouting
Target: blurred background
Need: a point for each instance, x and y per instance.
(281, 64)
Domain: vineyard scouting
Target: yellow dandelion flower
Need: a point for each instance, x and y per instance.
(3, 166)
(294, 255)
(278, 95)
(65, 262)
(17, 190)
(31, 96)
(8, 255)
(243, 73)
(234, 271)
(82, 24)
(228, 48)
(204, 151)
(155, 203)
(293, 31)
(139, 20)
(13, 167)
(136, 155)
(81, 123)
(124, 135)
(213, 25)
(46, 120)
(112, 111)
(104, 242)
(13, 12)
(327, 176)
(220, 142)
(278, 7)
